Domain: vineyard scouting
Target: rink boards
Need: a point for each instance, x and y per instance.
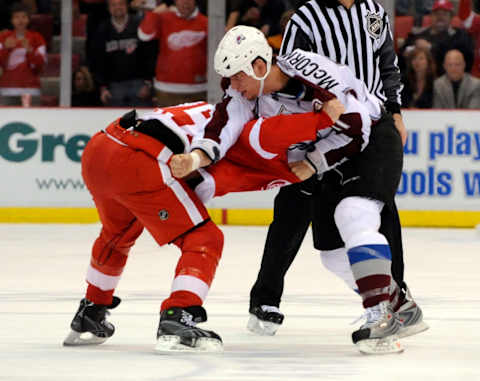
(40, 153)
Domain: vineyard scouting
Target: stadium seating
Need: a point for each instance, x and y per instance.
(52, 68)
(403, 26)
(80, 26)
(43, 24)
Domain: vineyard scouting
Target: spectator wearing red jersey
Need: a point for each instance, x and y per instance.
(22, 57)
(471, 21)
(181, 68)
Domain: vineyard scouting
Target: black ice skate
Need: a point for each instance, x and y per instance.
(89, 325)
(177, 331)
(265, 320)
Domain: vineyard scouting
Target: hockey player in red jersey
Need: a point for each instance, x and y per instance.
(259, 158)
(125, 168)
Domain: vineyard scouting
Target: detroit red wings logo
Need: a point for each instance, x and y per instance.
(185, 39)
(276, 184)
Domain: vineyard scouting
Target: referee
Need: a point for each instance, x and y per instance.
(355, 33)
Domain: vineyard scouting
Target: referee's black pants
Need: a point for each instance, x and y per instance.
(295, 207)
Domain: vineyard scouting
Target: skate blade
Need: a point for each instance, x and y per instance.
(171, 343)
(83, 338)
(413, 329)
(262, 328)
(383, 346)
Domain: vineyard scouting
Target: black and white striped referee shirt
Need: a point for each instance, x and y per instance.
(359, 37)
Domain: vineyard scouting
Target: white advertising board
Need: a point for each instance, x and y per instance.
(40, 151)
(442, 161)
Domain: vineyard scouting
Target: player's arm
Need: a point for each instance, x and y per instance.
(221, 132)
(276, 135)
(352, 133)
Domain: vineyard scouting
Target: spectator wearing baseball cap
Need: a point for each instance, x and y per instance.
(443, 5)
(441, 37)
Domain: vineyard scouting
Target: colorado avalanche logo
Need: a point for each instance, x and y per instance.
(240, 38)
(374, 24)
(276, 184)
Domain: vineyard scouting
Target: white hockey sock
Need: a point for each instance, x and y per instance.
(337, 262)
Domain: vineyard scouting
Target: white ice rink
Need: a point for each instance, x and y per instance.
(42, 280)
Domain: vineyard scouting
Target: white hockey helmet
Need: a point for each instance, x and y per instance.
(238, 49)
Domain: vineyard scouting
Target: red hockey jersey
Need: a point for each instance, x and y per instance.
(182, 57)
(258, 159)
(471, 22)
(21, 68)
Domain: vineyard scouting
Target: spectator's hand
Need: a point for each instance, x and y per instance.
(26, 45)
(161, 8)
(144, 91)
(137, 4)
(302, 169)
(105, 95)
(421, 43)
(333, 108)
(400, 126)
(252, 13)
(10, 42)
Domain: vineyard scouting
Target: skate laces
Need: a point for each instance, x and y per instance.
(373, 315)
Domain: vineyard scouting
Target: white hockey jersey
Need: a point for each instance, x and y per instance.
(187, 120)
(312, 77)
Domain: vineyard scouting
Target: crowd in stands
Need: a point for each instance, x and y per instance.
(143, 53)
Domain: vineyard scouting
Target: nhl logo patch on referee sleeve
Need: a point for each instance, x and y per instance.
(374, 24)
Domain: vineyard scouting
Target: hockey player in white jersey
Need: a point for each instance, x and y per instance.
(365, 184)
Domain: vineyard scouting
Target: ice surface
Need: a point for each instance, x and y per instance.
(42, 279)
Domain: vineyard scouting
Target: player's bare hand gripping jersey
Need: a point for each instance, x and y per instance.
(312, 77)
